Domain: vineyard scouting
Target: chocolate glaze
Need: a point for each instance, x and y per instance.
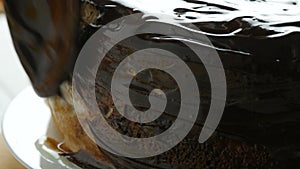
(258, 43)
(45, 35)
(85, 160)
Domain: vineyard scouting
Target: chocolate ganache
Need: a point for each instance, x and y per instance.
(257, 41)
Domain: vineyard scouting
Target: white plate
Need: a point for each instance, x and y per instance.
(26, 120)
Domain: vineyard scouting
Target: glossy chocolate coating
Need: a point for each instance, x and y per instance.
(261, 56)
(45, 35)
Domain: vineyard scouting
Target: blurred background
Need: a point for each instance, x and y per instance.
(12, 81)
(12, 76)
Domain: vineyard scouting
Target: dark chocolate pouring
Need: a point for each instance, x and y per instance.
(258, 43)
(45, 35)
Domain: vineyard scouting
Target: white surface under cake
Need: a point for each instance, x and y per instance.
(12, 76)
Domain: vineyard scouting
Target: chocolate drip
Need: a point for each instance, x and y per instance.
(45, 35)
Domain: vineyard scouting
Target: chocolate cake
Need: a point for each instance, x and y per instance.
(258, 44)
